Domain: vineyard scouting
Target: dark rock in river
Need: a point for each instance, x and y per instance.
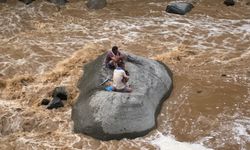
(179, 8)
(96, 4)
(229, 2)
(114, 115)
(45, 102)
(55, 103)
(60, 92)
(58, 2)
(26, 1)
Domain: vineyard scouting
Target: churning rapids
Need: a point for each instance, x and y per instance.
(43, 46)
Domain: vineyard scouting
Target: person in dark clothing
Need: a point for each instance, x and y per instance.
(113, 58)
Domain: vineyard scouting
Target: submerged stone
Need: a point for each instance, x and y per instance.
(55, 103)
(179, 8)
(60, 92)
(45, 102)
(96, 4)
(229, 2)
(114, 115)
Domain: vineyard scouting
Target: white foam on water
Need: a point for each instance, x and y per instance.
(240, 130)
(245, 27)
(10, 114)
(167, 142)
(69, 35)
(231, 129)
(9, 103)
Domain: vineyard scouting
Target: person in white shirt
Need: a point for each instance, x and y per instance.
(120, 79)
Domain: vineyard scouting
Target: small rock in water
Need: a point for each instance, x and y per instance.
(45, 102)
(96, 4)
(223, 75)
(18, 109)
(229, 2)
(199, 91)
(55, 103)
(60, 92)
(179, 8)
(49, 132)
(26, 1)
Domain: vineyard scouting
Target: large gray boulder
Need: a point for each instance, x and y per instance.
(179, 8)
(114, 115)
(96, 4)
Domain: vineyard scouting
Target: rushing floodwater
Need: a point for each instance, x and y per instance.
(43, 46)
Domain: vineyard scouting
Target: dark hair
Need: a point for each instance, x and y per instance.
(114, 48)
(121, 65)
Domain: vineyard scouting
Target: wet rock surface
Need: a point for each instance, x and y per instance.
(45, 102)
(229, 2)
(96, 4)
(179, 8)
(55, 103)
(59, 94)
(114, 115)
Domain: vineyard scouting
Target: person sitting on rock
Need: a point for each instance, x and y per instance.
(120, 79)
(113, 58)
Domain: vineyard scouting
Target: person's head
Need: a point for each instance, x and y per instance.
(120, 65)
(115, 49)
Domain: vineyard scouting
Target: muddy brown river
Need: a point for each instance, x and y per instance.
(208, 50)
